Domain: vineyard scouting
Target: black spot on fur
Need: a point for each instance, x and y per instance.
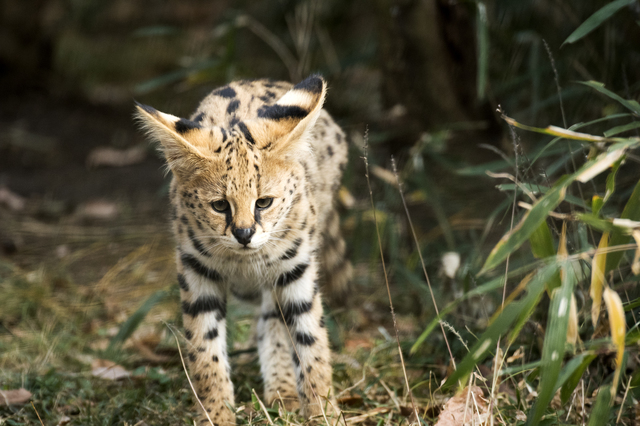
(198, 118)
(215, 359)
(192, 263)
(188, 334)
(234, 121)
(312, 84)
(192, 357)
(183, 125)
(282, 112)
(330, 151)
(247, 134)
(225, 92)
(204, 304)
(233, 106)
(183, 283)
(293, 275)
(211, 334)
(296, 359)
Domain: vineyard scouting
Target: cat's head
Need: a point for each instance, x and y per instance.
(239, 183)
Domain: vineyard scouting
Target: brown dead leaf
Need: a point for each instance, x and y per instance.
(11, 199)
(357, 343)
(467, 408)
(108, 370)
(14, 396)
(98, 209)
(110, 157)
(148, 354)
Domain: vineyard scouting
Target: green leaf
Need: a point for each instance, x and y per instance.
(132, 323)
(611, 181)
(542, 247)
(541, 189)
(598, 223)
(620, 129)
(482, 34)
(572, 373)
(618, 235)
(602, 407)
(554, 345)
(596, 205)
(595, 20)
(541, 242)
(509, 315)
(633, 106)
(483, 289)
(511, 241)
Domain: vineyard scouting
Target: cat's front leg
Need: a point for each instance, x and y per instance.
(204, 309)
(301, 308)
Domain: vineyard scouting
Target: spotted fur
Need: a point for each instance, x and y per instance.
(249, 142)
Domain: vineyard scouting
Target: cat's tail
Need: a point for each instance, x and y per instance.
(337, 269)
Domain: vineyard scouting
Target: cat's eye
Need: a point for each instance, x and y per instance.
(220, 205)
(263, 203)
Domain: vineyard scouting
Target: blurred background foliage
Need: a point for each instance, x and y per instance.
(421, 80)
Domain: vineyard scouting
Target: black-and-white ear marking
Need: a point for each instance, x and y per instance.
(278, 125)
(182, 155)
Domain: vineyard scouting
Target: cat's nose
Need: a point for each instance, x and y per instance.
(243, 235)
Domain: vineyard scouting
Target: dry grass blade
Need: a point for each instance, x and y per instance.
(264, 409)
(37, 414)
(386, 278)
(362, 417)
(424, 269)
(195, 394)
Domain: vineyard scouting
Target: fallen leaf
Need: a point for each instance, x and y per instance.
(11, 199)
(64, 420)
(14, 396)
(110, 157)
(108, 370)
(467, 408)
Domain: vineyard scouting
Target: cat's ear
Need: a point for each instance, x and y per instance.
(282, 126)
(184, 143)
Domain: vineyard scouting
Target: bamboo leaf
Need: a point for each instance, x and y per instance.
(483, 289)
(596, 204)
(572, 328)
(620, 236)
(527, 226)
(620, 129)
(611, 181)
(595, 20)
(597, 277)
(554, 344)
(541, 242)
(602, 407)
(572, 373)
(556, 131)
(632, 106)
(600, 164)
(615, 311)
(488, 340)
